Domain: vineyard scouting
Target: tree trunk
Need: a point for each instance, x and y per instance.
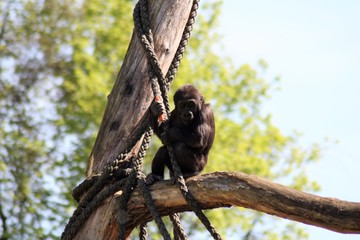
(127, 106)
(129, 101)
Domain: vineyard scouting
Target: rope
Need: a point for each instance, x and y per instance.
(130, 183)
(189, 197)
(142, 25)
(155, 72)
(146, 40)
(182, 45)
(96, 188)
(82, 214)
(143, 232)
(179, 232)
(112, 169)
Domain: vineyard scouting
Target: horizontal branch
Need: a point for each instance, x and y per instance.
(223, 189)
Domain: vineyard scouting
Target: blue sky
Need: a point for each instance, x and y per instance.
(315, 47)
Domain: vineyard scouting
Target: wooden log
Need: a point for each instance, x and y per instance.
(224, 189)
(129, 101)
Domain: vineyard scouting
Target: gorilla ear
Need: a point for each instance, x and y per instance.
(202, 101)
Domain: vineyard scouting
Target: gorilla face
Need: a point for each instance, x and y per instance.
(187, 110)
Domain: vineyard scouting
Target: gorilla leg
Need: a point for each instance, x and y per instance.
(158, 163)
(190, 162)
(158, 166)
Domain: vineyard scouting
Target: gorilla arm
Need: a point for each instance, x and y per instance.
(156, 110)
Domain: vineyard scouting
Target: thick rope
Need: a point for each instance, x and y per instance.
(179, 232)
(174, 66)
(92, 187)
(142, 24)
(91, 200)
(81, 216)
(189, 197)
(130, 183)
(156, 70)
(141, 17)
(143, 231)
(112, 169)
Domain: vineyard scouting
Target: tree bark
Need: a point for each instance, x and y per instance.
(127, 106)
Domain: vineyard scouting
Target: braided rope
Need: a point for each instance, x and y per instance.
(143, 231)
(81, 216)
(179, 232)
(182, 46)
(130, 183)
(189, 197)
(86, 206)
(92, 187)
(111, 168)
(156, 71)
(142, 25)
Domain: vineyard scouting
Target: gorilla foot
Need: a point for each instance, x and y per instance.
(152, 178)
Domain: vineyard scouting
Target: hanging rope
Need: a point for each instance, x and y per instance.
(147, 40)
(142, 25)
(179, 232)
(124, 174)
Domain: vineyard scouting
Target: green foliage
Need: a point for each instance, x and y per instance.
(58, 62)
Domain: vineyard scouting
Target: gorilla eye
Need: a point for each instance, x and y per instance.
(191, 104)
(182, 105)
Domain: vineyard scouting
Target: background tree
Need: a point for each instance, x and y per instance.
(58, 61)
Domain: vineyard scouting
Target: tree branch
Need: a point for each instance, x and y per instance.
(224, 189)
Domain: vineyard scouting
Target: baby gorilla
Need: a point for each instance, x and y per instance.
(191, 133)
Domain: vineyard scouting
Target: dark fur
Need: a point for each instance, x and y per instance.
(191, 132)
